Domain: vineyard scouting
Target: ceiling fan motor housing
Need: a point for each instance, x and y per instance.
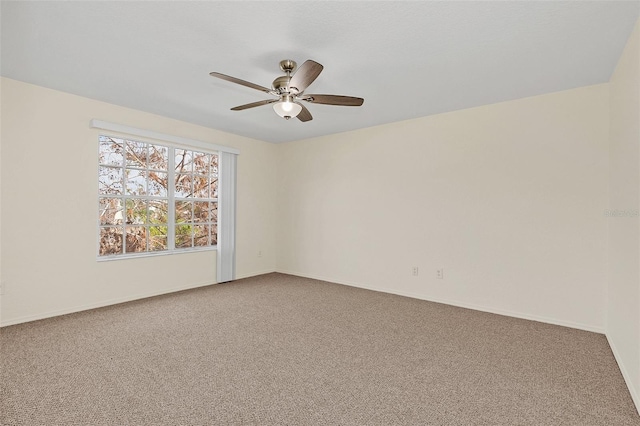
(281, 84)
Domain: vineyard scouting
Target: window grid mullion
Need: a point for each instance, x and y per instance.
(147, 230)
(171, 216)
(123, 202)
(193, 204)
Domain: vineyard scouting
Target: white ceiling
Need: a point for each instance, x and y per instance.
(406, 59)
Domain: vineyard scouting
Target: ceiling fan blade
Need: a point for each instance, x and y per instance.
(241, 82)
(333, 100)
(304, 115)
(305, 75)
(254, 104)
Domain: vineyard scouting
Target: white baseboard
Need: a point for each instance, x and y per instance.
(100, 304)
(635, 396)
(491, 310)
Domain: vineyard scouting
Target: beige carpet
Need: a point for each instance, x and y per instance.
(279, 349)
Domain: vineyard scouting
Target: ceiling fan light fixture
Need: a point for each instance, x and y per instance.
(286, 108)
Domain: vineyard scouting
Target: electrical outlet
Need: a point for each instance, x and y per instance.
(259, 253)
(440, 274)
(414, 271)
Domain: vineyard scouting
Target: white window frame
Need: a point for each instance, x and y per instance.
(176, 142)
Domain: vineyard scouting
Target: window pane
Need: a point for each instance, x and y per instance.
(183, 235)
(136, 182)
(200, 211)
(110, 181)
(213, 188)
(136, 239)
(183, 186)
(158, 157)
(214, 166)
(110, 211)
(213, 212)
(157, 184)
(183, 161)
(201, 236)
(201, 187)
(136, 154)
(158, 238)
(158, 211)
(136, 211)
(110, 151)
(214, 234)
(183, 211)
(201, 163)
(110, 240)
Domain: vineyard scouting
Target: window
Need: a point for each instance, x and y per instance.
(155, 198)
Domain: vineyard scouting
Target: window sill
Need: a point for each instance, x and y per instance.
(155, 254)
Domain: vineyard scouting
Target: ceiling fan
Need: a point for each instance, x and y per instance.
(290, 89)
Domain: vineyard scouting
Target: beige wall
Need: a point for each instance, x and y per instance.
(508, 198)
(49, 202)
(623, 307)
